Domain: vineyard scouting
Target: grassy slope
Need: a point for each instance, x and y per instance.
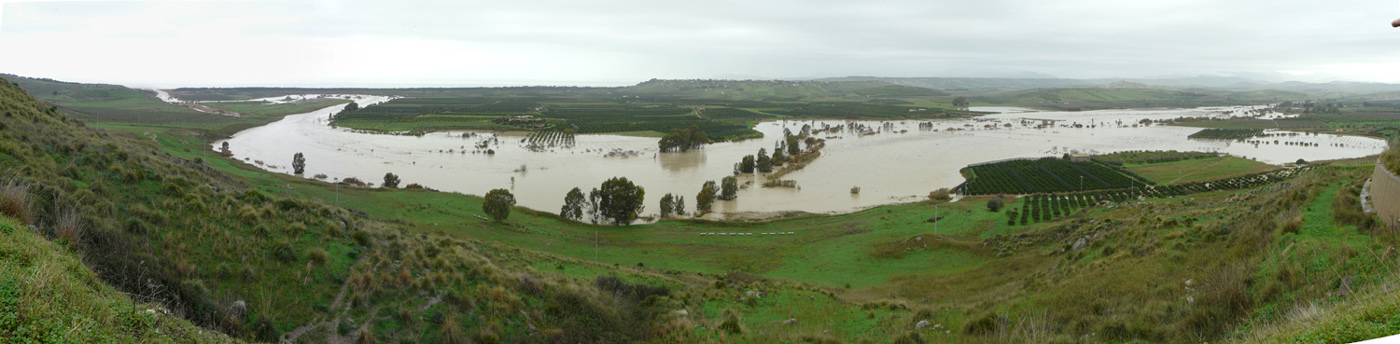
(48, 296)
(1194, 170)
(1125, 283)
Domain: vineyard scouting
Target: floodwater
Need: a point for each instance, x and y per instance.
(891, 162)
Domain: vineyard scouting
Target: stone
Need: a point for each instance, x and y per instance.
(921, 324)
(681, 312)
(238, 309)
(1078, 244)
(790, 321)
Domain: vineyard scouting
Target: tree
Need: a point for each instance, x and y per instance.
(391, 180)
(778, 158)
(573, 205)
(618, 201)
(668, 204)
(298, 163)
(792, 146)
(746, 165)
(680, 205)
(498, 203)
(995, 204)
(1301, 162)
(960, 102)
(763, 163)
(705, 198)
(729, 188)
(680, 140)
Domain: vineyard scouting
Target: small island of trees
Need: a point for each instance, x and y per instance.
(680, 140)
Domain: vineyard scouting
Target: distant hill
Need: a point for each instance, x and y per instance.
(735, 89)
(1130, 95)
(975, 86)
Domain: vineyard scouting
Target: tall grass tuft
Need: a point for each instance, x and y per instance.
(14, 202)
(69, 227)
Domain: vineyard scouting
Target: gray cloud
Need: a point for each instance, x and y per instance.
(627, 41)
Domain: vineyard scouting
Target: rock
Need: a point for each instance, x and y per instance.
(790, 321)
(1389, 252)
(753, 294)
(238, 309)
(1078, 244)
(681, 312)
(921, 324)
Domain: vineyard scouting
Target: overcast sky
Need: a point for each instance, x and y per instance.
(506, 42)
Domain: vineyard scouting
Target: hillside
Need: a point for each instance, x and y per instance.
(1083, 99)
(153, 215)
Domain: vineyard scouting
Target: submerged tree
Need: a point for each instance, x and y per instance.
(498, 203)
(960, 102)
(618, 201)
(668, 204)
(680, 140)
(729, 188)
(705, 198)
(763, 163)
(792, 146)
(298, 163)
(391, 180)
(746, 165)
(573, 205)
(778, 158)
(680, 205)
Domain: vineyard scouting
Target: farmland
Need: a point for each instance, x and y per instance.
(725, 110)
(1044, 175)
(1198, 170)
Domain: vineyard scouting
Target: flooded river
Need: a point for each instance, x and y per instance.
(891, 162)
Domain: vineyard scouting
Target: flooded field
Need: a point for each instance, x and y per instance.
(891, 161)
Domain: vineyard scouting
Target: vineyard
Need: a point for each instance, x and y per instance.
(542, 140)
(1226, 134)
(1047, 207)
(1045, 175)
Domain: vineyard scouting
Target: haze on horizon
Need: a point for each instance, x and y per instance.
(475, 43)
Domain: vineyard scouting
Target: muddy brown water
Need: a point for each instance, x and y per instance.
(891, 162)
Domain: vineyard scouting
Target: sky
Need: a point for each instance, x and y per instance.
(622, 42)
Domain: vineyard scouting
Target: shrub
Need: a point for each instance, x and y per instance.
(995, 204)
(284, 252)
(731, 322)
(360, 238)
(941, 194)
(987, 324)
(318, 256)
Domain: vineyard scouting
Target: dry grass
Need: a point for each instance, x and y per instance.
(14, 202)
(69, 227)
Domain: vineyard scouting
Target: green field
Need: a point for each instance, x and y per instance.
(1227, 263)
(1199, 170)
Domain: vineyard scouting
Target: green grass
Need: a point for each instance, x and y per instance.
(1199, 170)
(47, 295)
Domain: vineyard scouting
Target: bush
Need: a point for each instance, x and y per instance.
(14, 202)
(318, 256)
(985, 325)
(995, 204)
(942, 194)
(284, 252)
(731, 322)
